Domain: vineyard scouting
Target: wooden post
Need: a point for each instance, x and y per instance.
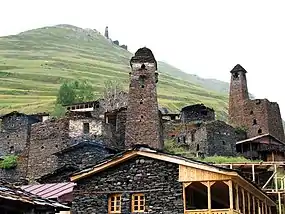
(231, 194)
(262, 208)
(209, 195)
(243, 200)
(275, 178)
(253, 173)
(237, 198)
(266, 208)
(269, 209)
(258, 207)
(253, 205)
(250, 149)
(248, 203)
(184, 197)
(279, 203)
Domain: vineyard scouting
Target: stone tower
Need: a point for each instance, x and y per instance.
(238, 94)
(258, 116)
(143, 125)
(106, 32)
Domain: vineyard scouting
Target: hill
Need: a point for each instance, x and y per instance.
(34, 63)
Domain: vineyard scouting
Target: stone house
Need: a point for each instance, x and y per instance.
(143, 180)
(197, 112)
(263, 147)
(208, 138)
(258, 116)
(76, 158)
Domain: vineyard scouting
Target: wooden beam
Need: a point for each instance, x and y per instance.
(253, 173)
(248, 203)
(243, 200)
(209, 195)
(237, 197)
(258, 207)
(231, 194)
(262, 208)
(253, 205)
(279, 203)
(275, 178)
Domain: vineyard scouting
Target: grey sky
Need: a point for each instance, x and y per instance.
(207, 38)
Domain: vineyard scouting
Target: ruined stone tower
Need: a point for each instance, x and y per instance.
(106, 32)
(258, 116)
(143, 120)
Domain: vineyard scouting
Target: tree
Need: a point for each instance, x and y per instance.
(113, 96)
(75, 91)
(66, 94)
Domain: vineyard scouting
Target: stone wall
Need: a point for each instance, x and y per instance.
(46, 139)
(76, 127)
(221, 139)
(197, 112)
(158, 180)
(14, 138)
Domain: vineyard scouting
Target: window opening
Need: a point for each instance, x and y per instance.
(192, 136)
(138, 203)
(236, 76)
(142, 81)
(198, 148)
(251, 112)
(224, 143)
(114, 203)
(86, 128)
(254, 122)
(259, 131)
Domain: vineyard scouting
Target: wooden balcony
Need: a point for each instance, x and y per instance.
(213, 211)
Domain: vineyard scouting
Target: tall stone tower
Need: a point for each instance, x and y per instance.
(106, 32)
(143, 125)
(258, 116)
(238, 94)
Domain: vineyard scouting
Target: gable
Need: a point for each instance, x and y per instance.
(188, 174)
(120, 158)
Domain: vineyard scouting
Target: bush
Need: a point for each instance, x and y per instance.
(9, 162)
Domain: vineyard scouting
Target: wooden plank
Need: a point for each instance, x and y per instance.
(248, 203)
(231, 194)
(243, 200)
(187, 174)
(209, 195)
(237, 198)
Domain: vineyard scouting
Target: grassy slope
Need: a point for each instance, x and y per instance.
(33, 64)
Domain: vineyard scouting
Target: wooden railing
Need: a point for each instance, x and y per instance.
(213, 211)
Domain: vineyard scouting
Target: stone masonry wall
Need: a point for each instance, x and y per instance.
(46, 139)
(262, 117)
(14, 138)
(76, 127)
(197, 112)
(158, 180)
(221, 139)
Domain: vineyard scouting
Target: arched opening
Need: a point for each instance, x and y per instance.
(196, 195)
(220, 195)
(236, 76)
(259, 131)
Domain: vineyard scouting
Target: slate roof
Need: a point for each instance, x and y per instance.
(50, 191)
(10, 192)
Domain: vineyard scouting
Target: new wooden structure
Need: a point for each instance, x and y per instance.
(206, 188)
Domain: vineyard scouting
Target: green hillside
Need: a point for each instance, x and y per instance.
(34, 63)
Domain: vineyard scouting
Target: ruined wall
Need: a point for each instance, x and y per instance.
(76, 127)
(143, 121)
(14, 138)
(158, 180)
(46, 138)
(196, 139)
(197, 112)
(262, 117)
(221, 139)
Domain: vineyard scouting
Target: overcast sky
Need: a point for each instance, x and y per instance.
(207, 38)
